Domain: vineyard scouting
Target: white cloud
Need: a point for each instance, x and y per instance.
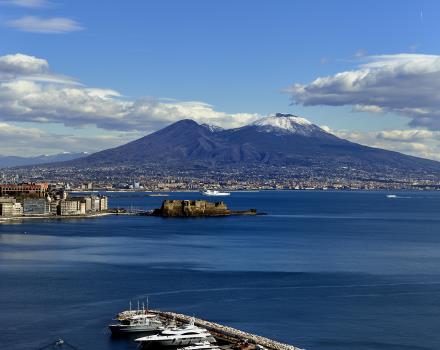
(26, 3)
(32, 93)
(52, 25)
(408, 135)
(368, 109)
(360, 53)
(419, 143)
(30, 141)
(12, 66)
(406, 84)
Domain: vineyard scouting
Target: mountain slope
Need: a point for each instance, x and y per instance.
(176, 143)
(12, 161)
(280, 140)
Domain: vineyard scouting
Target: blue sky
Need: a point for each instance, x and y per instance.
(237, 57)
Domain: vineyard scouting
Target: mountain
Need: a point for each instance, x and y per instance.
(278, 140)
(12, 161)
(284, 124)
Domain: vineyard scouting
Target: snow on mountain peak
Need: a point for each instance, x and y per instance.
(213, 128)
(286, 124)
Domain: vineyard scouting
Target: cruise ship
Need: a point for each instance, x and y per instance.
(178, 336)
(215, 193)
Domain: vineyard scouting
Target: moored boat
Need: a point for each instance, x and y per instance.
(215, 193)
(136, 321)
(188, 334)
(204, 345)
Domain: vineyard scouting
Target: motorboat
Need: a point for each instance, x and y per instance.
(204, 345)
(188, 334)
(215, 193)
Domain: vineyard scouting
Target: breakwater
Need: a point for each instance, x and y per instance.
(233, 336)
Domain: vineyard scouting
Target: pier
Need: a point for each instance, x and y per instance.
(225, 334)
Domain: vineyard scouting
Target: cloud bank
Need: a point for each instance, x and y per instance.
(30, 92)
(51, 25)
(30, 141)
(26, 3)
(406, 84)
(416, 142)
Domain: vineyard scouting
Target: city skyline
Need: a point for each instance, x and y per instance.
(95, 82)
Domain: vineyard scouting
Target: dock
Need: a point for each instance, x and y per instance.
(225, 334)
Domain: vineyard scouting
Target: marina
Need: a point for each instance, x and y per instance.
(170, 329)
(236, 338)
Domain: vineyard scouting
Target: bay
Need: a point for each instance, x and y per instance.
(322, 270)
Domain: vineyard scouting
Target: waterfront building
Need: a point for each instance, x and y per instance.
(54, 204)
(103, 203)
(87, 186)
(6, 209)
(87, 200)
(90, 203)
(25, 189)
(7, 200)
(9, 207)
(99, 203)
(95, 205)
(17, 209)
(72, 206)
(36, 206)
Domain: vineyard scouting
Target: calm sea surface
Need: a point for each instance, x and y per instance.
(323, 270)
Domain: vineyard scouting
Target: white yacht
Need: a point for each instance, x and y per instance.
(136, 324)
(136, 321)
(204, 345)
(215, 193)
(178, 336)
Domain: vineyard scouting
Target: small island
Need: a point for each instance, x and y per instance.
(197, 208)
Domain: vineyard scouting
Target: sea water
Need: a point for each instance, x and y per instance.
(322, 270)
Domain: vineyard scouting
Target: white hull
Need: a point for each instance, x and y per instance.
(204, 345)
(215, 193)
(121, 329)
(188, 341)
(176, 342)
(178, 336)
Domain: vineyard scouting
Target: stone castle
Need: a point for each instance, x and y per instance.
(192, 208)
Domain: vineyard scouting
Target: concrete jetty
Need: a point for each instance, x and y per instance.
(235, 337)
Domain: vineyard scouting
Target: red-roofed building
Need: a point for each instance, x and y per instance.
(28, 189)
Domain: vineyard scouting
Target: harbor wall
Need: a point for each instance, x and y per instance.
(229, 334)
